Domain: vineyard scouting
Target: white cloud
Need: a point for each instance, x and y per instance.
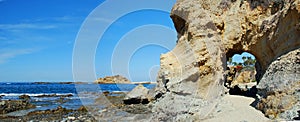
(25, 26)
(64, 18)
(55, 19)
(100, 19)
(7, 54)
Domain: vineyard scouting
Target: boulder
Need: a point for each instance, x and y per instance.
(282, 74)
(139, 95)
(279, 87)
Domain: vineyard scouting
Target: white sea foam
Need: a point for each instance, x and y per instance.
(32, 95)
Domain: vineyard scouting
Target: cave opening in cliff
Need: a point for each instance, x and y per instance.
(241, 74)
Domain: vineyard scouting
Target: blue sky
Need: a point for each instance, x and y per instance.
(37, 39)
(238, 57)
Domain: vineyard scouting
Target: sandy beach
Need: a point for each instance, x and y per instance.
(237, 109)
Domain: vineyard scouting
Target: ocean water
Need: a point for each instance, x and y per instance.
(80, 92)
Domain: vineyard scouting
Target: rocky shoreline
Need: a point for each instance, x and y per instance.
(115, 110)
(126, 106)
(58, 114)
(7, 106)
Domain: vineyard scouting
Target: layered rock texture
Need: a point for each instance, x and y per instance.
(192, 75)
(113, 79)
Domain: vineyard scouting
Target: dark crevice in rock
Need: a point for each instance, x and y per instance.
(248, 93)
(179, 23)
(187, 112)
(221, 27)
(262, 3)
(136, 101)
(259, 72)
(297, 118)
(158, 95)
(238, 49)
(165, 84)
(226, 4)
(181, 93)
(255, 103)
(145, 101)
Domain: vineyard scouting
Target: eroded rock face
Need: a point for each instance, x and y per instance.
(192, 75)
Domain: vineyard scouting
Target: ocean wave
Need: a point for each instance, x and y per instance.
(33, 94)
(57, 94)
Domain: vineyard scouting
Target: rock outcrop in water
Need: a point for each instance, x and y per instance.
(7, 106)
(192, 75)
(113, 79)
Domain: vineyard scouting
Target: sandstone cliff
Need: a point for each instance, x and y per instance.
(192, 75)
(113, 79)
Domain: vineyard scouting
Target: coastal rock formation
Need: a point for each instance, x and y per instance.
(59, 110)
(280, 87)
(112, 79)
(24, 97)
(139, 94)
(192, 75)
(7, 106)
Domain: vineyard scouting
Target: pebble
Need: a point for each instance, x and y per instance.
(71, 118)
(64, 120)
(104, 110)
(88, 120)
